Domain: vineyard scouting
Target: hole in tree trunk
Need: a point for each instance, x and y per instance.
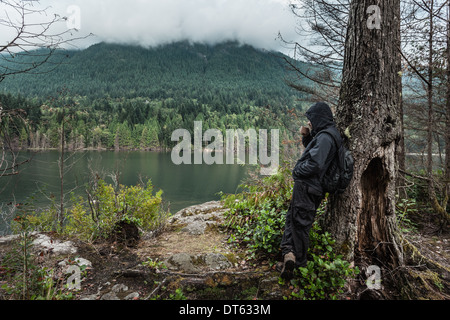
(372, 220)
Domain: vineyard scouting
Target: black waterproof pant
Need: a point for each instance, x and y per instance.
(299, 220)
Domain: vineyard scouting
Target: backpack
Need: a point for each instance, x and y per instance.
(339, 173)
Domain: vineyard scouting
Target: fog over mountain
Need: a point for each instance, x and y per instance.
(155, 22)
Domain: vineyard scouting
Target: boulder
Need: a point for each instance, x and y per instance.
(196, 219)
(182, 262)
(217, 261)
(57, 247)
(195, 263)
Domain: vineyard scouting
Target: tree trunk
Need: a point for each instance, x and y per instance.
(61, 176)
(438, 206)
(401, 156)
(447, 118)
(443, 210)
(430, 122)
(363, 219)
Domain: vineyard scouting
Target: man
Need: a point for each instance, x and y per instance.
(308, 193)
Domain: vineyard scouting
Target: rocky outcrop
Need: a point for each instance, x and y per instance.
(44, 244)
(196, 219)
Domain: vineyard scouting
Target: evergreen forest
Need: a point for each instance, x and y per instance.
(120, 97)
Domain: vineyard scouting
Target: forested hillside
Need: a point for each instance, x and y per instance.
(117, 96)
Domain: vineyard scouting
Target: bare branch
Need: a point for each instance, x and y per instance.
(34, 39)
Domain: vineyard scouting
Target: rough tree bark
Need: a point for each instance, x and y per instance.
(363, 219)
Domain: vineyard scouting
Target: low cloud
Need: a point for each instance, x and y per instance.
(154, 22)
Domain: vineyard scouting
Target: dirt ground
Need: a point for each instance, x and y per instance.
(140, 268)
(137, 271)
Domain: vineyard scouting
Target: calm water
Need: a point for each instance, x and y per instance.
(183, 185)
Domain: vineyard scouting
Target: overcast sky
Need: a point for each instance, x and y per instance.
(154, 22)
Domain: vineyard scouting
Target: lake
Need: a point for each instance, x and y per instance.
(183, 185)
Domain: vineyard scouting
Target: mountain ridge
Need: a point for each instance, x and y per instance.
(176, 69)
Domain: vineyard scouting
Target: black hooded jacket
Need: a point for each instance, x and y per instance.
(320, 148)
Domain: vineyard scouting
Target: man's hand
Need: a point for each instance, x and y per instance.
(305, 131)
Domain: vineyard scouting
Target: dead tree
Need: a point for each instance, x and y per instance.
(363, 219)
(32, 43)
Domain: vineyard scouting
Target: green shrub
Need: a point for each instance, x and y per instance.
(257, 215)
(326, 273)
(97, 216)
(256, 219)
(406, 209)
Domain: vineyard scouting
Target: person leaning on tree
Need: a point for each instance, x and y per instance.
(308, 193)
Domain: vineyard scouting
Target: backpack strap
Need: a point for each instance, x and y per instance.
(328, 164)
(328, 131)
